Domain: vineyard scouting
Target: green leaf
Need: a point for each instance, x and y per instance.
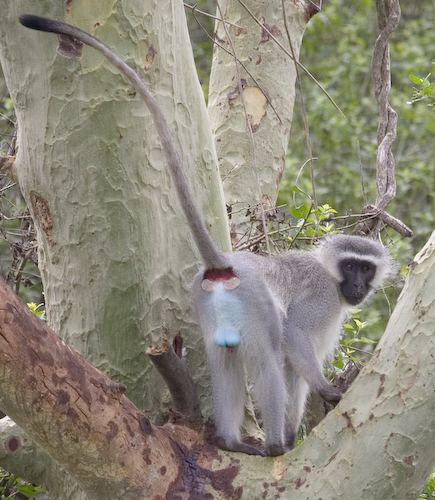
(300, 212)
(27, 490)
(359, 323)
(416, 79)
(365, 340)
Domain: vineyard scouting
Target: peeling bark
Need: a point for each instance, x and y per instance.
(269, 98)
(115, 255)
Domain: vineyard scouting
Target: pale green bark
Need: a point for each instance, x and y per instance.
(275, 76)
(116, 256)
(117, 259)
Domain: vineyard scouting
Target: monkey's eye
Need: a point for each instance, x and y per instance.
(348, 266)
(366, 268)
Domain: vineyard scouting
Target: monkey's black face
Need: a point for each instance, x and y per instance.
(357, 276)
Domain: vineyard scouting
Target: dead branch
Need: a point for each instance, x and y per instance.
(371, 219)
(388, 19)
(8, 167)
(388, 12)
(185, 404)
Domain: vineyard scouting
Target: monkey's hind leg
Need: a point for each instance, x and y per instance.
(228, 378)
(302, 356)
(271, 397)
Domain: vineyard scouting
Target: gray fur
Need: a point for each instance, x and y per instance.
(291, 305)
(293, 315)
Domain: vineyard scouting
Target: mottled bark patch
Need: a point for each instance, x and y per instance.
(41, 212)
(145, 426)
(268, 32)
(112, 432)
(63, 397)
(69, 47)
(128, 427)
(12, 444)
(311, 10)
(256, 104)
(151, 54)
(195, 479)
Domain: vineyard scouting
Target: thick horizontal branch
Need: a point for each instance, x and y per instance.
(77, 414)
(83, 420)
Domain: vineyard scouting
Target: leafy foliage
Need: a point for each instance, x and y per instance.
(337, 48)
(429, 491)
(350, 349)
(14, 488)
(424, 91)
(35, 308)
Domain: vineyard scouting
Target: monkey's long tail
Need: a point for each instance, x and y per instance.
(211, 254)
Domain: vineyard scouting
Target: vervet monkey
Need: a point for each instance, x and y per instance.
(266, 315)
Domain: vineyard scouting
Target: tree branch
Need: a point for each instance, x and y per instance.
(371, 217)
(185, 404)
(388, 19)
(78, 415)
(388, 12)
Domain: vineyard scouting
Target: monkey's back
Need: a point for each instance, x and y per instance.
(307, 298)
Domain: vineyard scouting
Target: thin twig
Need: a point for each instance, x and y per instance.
(194, 9)
(361, 172)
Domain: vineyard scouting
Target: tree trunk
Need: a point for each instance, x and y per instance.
(117, 260)
(269, 95)
(114, 251)
(20, 455)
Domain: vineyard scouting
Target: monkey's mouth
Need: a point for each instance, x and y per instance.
(355, 298)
